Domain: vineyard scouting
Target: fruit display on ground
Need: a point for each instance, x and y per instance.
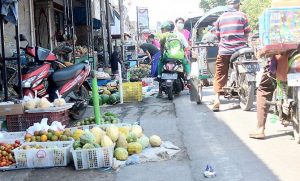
(107, 118)
(136, 74)
(6, 153)
(127, 139)
(107, 98)
(49, 135)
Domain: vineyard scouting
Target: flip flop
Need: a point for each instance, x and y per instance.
(216, 107)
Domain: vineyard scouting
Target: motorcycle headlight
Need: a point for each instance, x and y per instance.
(27, 83)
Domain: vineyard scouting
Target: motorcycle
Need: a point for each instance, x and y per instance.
(286, 100)
(46, 75)
(241, 82)
(172, 78)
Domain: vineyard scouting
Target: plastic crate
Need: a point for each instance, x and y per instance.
(45, 157)
(132, 92)
(23, 121)
(54, 154)
(93, 158)
(279, 25)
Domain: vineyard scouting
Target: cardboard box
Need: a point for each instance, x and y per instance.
(11, 109)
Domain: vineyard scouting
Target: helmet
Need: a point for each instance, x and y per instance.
(168, 25)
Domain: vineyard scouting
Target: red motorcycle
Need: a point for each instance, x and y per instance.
(47, 75)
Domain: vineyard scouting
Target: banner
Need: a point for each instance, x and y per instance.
(143, 18)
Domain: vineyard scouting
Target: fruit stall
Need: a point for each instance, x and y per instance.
(84, 146)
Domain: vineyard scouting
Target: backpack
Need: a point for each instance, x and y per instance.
(173, 47)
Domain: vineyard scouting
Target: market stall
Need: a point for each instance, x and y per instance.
(109, 145)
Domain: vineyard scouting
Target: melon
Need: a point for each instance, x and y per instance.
(121, 154)
(137, 130)
(144, 141)
(134, 148)
(122, 142)
(113, 133)
(155, 141)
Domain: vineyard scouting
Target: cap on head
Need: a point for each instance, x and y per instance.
(231, 2)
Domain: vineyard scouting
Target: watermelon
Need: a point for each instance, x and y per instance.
(105, 98)
(91, 102)
(112, 99)
(117, 95)
(100, 101)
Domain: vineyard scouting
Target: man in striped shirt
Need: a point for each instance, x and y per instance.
(232, 29)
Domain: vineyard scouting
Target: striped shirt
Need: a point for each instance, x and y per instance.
(232, 28)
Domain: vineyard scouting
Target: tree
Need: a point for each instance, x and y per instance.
(209, 4)
(254, 9)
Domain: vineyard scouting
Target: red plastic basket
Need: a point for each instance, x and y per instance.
(23, 121)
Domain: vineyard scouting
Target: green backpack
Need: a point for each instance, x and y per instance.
(173, 47)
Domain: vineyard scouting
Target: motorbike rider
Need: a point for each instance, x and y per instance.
(167, 29)
(232, 30)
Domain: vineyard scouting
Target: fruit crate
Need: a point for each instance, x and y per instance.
(132, 92)
(23, 121)
(53, 154)
(93, 158)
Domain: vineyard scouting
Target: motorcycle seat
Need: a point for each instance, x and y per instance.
(68, 73)
(240, 52)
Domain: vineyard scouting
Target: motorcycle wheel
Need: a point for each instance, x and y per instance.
(247, 93)
(296, 124)
(77, 112)
(170, 93)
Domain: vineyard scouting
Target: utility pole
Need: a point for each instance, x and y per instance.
(108, 27)
(104, 39)
(122, 26)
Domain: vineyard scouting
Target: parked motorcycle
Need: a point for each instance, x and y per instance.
(286, 99)
(172, 79)
(242, 80)
(47, 75)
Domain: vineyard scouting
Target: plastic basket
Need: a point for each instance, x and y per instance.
(132, 92)
(57, 154)
(23, 121)
(93, 158)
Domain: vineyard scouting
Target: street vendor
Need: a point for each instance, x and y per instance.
(154, 55)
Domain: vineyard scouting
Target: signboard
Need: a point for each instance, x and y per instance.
(143, 18)
(97, 10)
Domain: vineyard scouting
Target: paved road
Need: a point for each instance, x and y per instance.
(220, 139)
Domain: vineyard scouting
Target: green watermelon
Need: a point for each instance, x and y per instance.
(91, 102)
(100, 101)
(112, 99)
(117, 95)
(105, 98)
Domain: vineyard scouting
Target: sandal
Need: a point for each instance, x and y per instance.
(257, 135)
(216, 107)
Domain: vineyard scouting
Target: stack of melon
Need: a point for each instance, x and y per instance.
(131, 140)
(128, 140)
